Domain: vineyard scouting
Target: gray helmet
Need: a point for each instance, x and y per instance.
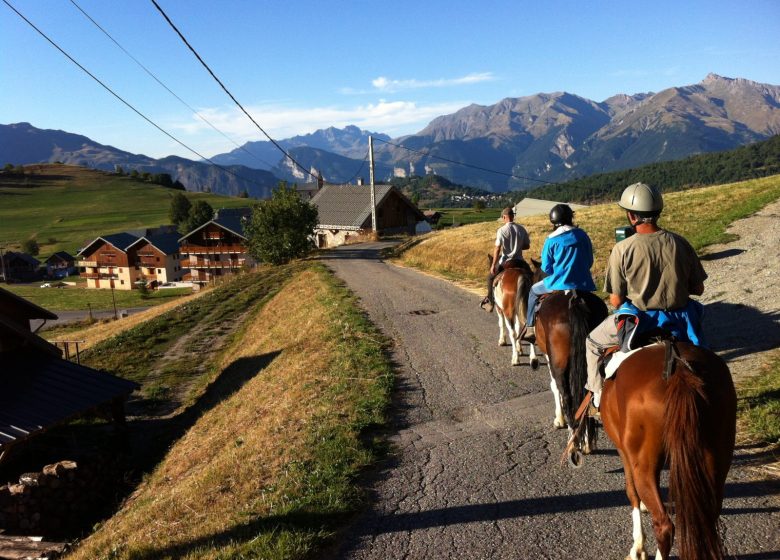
(641, 199)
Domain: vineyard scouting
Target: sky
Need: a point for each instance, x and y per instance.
(389, 67)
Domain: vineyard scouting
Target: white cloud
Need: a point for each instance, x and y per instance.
(386, 85)
(280, 121)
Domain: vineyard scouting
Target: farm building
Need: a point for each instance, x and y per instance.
(19, 267)
(125, 260)
(345, 213)
(218, 247)
(60, 265)
(38, 389)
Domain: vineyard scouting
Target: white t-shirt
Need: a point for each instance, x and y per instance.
(512, 238)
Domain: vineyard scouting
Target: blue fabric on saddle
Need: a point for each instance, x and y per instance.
(684, 324)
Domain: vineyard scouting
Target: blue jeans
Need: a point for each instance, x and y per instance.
(533, 295)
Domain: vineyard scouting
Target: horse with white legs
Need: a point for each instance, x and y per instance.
(563, 322)
(511, 288)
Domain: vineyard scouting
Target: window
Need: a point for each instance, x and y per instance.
(122, 282)
(159, 271)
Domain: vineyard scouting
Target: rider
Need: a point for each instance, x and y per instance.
(651, 275)
(567, 256)
(511, 240)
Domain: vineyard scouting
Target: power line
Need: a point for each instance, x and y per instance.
(427, 154)
(112, 92)
(363, 163)
(225, 89)
(155, 78)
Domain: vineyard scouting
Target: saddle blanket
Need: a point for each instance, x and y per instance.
(617, 359)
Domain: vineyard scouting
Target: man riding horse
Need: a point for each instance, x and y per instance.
(650, 276)
(511, 240)
(567, 256)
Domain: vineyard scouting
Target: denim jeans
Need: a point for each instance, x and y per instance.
(533, 295)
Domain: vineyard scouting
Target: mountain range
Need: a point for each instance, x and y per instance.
(547, 137)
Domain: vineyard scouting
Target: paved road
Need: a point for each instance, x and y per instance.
(476, 470)
(65, 317)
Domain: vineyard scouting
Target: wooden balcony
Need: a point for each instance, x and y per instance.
(86, 263)
(212, 249)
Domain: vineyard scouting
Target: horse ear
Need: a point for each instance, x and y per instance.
(536, 263)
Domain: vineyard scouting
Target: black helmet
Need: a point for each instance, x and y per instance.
(561, 215)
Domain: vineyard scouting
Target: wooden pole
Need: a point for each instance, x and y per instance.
(371, 177)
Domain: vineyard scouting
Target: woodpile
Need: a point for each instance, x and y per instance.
(55, 501)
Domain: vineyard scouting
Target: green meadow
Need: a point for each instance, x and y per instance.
(64, 206)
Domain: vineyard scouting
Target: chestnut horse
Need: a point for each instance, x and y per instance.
(687, 416)
(562, 325)
(511, 297)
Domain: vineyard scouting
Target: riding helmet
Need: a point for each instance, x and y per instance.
(561, 215)
(641, 199)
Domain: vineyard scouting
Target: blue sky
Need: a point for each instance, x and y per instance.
(300, 65)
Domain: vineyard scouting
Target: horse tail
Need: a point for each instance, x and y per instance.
(521, 303)
(578, 371)
(691, 485)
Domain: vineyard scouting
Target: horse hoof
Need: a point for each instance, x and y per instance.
(516, 362)
(558, 424)
(534, 364)
(576, 460)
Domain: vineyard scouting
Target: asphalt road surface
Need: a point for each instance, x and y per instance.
(476, 470)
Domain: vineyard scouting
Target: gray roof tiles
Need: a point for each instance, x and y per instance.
(347, 205)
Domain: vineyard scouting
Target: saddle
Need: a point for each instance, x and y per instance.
(631, 341)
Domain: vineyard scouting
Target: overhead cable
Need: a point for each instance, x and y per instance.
(225, 89)
(155, 78)
(428, 154)
(112, 92)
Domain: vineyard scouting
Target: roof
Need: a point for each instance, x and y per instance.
(231, 219)
(19, 307)
(119, 240)
(347, 205)
(29, 259)
(39, 391)
(535, 206)
(61, 255)
(168, 243)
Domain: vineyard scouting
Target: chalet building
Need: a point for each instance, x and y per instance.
(19, 267)
(60, 265)
(125, 260)
(345, 213)
(38, 389)
(218, 247)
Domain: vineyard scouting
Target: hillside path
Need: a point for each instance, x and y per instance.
(475, 469)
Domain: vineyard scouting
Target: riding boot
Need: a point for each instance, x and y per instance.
(529, 334)
(487, 301)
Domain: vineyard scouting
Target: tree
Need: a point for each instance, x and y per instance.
(178, 185)
(243, 194)
(30, 246)
(180, 209)
(118, 170)
(200, 213)
(281, 228)
(479, 205)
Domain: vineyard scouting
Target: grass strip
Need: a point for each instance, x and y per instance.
(758, 405)
(269, 468)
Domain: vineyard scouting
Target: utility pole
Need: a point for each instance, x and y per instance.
(113, 298)
(2, 264)
(371, 177)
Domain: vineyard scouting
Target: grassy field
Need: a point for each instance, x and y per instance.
(759, 403)
(701, 215)
(267, 467)
(462, 216)
(64, 206)
(81, 298)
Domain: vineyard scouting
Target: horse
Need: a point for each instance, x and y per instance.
(511, 288)
(687, 414)
(562, 325)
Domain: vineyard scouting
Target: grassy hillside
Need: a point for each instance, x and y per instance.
(701, 215)
(63, 206)
(274, 433)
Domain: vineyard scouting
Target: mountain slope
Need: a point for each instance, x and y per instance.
(23, 143)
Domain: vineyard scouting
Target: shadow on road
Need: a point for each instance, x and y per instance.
(733, 329)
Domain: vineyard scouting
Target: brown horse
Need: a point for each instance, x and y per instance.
(562, 325)
(688, 418)
(511, 296)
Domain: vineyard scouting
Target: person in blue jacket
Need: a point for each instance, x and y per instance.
(567, 256)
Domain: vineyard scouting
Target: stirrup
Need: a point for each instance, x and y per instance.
(527, 335)
(485, 302)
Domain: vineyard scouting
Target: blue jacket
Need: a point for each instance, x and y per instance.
(567, 256)
(683, 323)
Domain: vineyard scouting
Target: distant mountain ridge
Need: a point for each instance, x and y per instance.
(547, 137)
